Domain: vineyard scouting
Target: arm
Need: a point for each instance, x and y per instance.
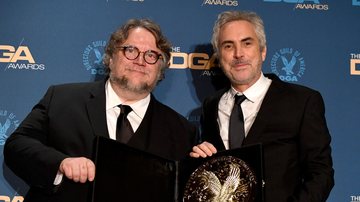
(315, 153)
(30, 154)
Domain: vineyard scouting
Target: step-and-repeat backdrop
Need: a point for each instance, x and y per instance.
(51, 42)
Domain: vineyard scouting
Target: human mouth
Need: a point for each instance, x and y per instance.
(239, 64)
(138, 70)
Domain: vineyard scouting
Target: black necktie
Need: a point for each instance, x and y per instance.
(236, 124)
(124, 130)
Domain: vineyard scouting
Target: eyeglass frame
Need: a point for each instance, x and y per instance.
(124, 47)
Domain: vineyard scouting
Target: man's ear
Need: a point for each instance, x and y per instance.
(110, 63)
(263, 54)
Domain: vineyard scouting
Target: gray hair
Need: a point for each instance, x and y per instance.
(229, 16)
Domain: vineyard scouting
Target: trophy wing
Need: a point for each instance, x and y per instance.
(213, 183)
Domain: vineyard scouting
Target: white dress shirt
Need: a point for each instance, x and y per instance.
(113, 111)
(250, 106)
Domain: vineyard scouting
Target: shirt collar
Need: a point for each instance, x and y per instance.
(112, 101)
(256, 90)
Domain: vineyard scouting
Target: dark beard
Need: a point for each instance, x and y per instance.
(123, 83)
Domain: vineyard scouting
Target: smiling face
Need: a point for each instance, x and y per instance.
(136, 75)
(240, 55)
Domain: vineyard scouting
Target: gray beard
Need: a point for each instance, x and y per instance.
(123, 83)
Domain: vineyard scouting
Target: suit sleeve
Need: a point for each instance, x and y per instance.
(27, 151)
(315, 153)
(209, 126)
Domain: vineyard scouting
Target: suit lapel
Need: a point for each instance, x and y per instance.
(265, 113)
(213, 106)
(96, 108)
(142, 135)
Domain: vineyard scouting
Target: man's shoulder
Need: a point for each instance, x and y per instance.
(163, 108)
(292, 87)
(164, 111)
(78, 85)
(72, 90)
(170, 117)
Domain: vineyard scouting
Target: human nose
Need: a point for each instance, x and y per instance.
(140, 59)
(238, 52)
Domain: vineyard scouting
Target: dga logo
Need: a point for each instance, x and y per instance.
(356, 2)
(354, 198)
(93, 56)
(300, 4)
(355, 62)
(7, 121)
(18, 58)
(195, 61)
(221, 2)
(288, 64)
(8, 199)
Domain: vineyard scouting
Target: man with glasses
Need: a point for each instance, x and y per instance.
(51, 150)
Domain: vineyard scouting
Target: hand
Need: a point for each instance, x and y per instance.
(79, 169)
(204, 149)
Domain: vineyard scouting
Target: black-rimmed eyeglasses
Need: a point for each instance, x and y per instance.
(132, 52)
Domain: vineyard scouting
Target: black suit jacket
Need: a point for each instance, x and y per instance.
(64, 124)
(291, 126)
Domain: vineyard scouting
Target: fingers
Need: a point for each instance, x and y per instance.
(204, 149)
(194, 154)
(78, 169)
(91, 170)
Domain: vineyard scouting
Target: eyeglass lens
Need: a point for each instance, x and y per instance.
(132, 53)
